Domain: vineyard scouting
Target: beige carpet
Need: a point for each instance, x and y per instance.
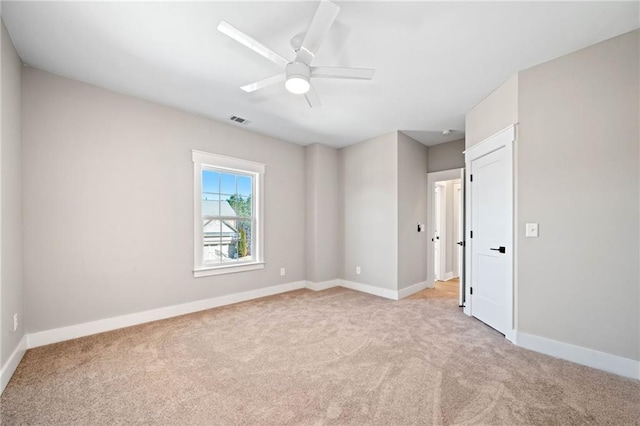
(442, 290)
(331, 357)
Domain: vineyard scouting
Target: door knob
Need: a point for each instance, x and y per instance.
(500, 249)
(460, 243)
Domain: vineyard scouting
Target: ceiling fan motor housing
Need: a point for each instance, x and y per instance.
(298, 75)
(298, 69)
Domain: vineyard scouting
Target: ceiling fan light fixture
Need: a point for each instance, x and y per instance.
(297, 84)
(298, 75)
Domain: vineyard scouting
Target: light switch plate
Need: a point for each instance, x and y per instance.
(531, 230)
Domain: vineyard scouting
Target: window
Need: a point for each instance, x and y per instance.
(228, 214)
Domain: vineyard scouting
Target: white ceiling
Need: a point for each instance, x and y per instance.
(434, 60)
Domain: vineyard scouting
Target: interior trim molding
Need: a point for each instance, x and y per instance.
(323, 285)
(432, 178)
(62, 334)
(12, 363)
(449, 276)
(366, 288)
(413, 288)
(591, 358)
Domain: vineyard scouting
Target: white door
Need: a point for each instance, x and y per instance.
(490, 223)
(438, 191)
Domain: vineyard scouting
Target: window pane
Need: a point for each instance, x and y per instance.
(211, 250)
(241, 205)
(227, 183)
(211, 207)
(249, 250)
(225, 205)
(245, 185)
(212, 241)
(210, 196)
(210, 181)
(232, 251)
(244, 238)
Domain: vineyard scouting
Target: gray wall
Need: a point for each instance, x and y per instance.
(578, 178)
(323, 213)
(412, 208)
(11, 288)
(497, 111)
(108, 203)
(446, 156)
(369, 194)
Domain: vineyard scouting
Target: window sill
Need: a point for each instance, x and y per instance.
(227, 269)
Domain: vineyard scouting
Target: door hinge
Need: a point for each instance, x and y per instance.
(471, 178)
(470, 290)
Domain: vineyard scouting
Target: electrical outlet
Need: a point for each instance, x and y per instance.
(358, 270)
(15, 322)
(282, 272)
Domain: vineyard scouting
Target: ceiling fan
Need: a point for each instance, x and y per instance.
(298, 73)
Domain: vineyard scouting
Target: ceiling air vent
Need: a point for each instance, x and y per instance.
(239, 119)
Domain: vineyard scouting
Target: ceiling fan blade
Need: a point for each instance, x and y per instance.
(312, 98)
(342, 72)
(259, 48)
(322, 21)
(274, 79)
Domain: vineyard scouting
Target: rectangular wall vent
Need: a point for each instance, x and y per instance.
(239, 119)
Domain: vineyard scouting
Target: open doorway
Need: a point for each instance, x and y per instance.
(446, 233)
(445, 265)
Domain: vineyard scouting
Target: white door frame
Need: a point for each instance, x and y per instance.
(432, 178)
(440, 264)
(458, 216)
(458, 225)
(503, 139)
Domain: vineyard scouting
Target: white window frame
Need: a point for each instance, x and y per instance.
(233, 165)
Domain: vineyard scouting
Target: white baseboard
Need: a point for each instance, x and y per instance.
(366, 288)
(511, 335)
(12, 363)
(86, 329)
(449, 276)
(591, 358)
(62, 334)
(323, 285)
(414, 288)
